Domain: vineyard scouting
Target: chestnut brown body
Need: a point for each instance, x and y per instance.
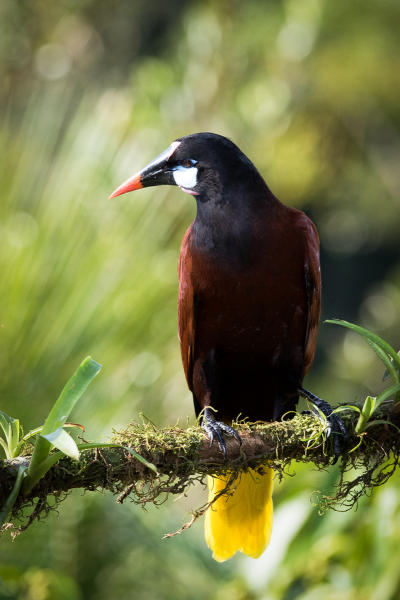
(248, 323)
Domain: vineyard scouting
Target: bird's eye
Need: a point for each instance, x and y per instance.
(188, 162)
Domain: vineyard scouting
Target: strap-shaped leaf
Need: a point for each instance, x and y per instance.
(11, 429)
(9, 503)
(57, 417)
(393, 389)
(372, 339)
(72, 391)
(64, 442)
(139, 457)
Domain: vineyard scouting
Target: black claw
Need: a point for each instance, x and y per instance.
(215, 430)
(335, 424)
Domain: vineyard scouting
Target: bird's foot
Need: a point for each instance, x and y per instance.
(335, 424)
(216, 429)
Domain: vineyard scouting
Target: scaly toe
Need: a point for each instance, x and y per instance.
(215, 430)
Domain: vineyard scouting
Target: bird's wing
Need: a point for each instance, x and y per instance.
(312, 277)
(187, 310)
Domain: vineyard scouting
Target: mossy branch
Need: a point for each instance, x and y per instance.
(184, 456)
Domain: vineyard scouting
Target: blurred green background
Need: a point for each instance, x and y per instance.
(91, 91)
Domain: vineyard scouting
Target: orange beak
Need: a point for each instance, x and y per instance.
(131, 184)
(158, 172)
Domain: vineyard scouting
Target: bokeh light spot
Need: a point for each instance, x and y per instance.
(52, 61)
(295, 40)
(145, 369)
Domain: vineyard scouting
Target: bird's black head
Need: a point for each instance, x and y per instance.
(206, 165)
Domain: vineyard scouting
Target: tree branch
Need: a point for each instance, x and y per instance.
(183, 457)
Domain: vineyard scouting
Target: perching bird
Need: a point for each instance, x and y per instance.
(249, 307)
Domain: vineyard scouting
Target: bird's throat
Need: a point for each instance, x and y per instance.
(223, 236)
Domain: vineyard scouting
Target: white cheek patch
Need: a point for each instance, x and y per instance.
(185, 177)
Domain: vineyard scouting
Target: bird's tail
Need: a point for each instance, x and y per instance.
(241, 520)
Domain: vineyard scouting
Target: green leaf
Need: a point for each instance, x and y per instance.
(88, 446)
(371, 404)
(26, 437)
(70, 395)
(57, 417)
(372, 339)
(37, 430)
(368, 407)
(14, 438)
(5, 422)
(387, 372)
(4, 445)
(366, 413)
(64, 442)
(393, 389)
(9, 503)
(141, 459)
(32, 433)
(387, 361)
(53, 458)
(11, 429)
(345, 407)
(381, 422)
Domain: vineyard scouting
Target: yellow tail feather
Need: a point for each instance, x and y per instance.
(241, 521)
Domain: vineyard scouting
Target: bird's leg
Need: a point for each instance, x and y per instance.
(335, 424)
(205, 376)
(216, 429)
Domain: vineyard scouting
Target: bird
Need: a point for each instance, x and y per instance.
(249, 305)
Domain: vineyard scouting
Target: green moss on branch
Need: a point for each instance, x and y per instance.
(184, 456)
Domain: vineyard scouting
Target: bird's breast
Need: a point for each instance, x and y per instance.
(249, 309)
